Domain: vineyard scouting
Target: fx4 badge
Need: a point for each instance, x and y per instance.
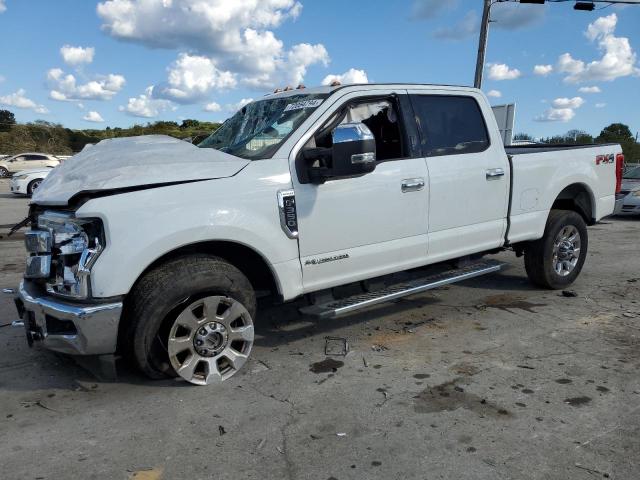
(604, 159)
(288, 213)
(318, 261)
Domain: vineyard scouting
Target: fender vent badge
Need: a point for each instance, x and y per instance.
(288, 214)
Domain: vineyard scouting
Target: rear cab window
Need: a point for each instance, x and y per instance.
(449, 124)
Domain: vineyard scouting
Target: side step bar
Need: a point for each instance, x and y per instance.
(337, 308)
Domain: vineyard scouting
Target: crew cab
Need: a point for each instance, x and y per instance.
(157, 249)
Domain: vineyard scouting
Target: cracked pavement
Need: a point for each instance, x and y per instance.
(487, 379)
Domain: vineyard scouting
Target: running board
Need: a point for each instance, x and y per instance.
(337, 308)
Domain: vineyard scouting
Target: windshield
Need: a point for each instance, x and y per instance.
(633, 174)
(258, 129)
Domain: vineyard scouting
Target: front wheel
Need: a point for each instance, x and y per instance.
(191, 317)
(4, 173)
(33, 186)
(555, 260)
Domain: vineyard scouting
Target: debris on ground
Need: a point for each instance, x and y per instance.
(221, 430)
(569, 293)
(379, 348)
(328, 365)
(338, 346)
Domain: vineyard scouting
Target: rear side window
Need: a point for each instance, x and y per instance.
(449, 125)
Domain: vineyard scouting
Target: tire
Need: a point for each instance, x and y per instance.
(177, 288)
(551, 262)
(4, 173)
(33, 186)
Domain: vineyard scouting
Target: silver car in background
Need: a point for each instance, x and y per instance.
(631, 190)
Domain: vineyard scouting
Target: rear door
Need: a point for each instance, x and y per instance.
(468, 173)
(356, 228)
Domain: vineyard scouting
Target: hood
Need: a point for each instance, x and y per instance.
(32, 171)
(120, 163)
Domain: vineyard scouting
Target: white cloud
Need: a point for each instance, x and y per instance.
(350, 76)
(212, 107)
(543, 70)
(3, 7)
(18, 99)
(74, 56)
(512, 16)
(64, 87)
(589, 90)
(465, 28)
(93, 116)
(501, 71)
(191, 78)
(234, 107)
(494, 93)
(145, 105)
(618, 58)
(235, 36)
(563, 110)
(556, 115)
(573, 103)
(601, 105)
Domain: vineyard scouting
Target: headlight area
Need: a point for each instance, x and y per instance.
(62, 249)
(636, 193)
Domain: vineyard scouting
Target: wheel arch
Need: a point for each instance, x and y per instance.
(246, 259)
(579, 198)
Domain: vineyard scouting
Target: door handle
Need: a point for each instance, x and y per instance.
(412, 184)
(495, 173)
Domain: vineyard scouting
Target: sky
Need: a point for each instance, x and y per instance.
(92, 64)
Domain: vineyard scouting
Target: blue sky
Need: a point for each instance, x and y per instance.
(134, 61)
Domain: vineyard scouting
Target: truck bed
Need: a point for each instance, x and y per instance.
(540, 173)
(544, 147)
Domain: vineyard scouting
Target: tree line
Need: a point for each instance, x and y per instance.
(614, 133)
(46, 137)
(53, 138)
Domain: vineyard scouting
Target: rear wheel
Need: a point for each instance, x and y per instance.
(555, 260)
(33, 186)
(191, 317)
(4, 173)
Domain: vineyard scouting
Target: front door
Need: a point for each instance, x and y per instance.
(356, 228)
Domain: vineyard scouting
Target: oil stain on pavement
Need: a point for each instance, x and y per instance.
(450, 396)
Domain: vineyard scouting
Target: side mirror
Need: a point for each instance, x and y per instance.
(354, 150)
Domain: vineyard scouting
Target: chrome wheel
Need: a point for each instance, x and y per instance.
(566, 250)
(210, 340)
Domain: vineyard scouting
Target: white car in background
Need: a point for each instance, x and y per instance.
(27, 181)
(26, 161)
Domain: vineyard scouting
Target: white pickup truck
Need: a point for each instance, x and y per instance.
(157, 249)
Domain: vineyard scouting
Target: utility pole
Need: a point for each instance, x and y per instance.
(482, 43)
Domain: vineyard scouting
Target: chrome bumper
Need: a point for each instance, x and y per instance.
(73, 328)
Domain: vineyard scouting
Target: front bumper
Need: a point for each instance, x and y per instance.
(65, 327)
(629, 205)
(17, 187)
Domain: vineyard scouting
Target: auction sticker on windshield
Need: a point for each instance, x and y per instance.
(303, 104)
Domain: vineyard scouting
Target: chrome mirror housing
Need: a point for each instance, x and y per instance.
(354, 150)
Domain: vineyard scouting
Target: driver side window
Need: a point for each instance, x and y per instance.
(380, 116)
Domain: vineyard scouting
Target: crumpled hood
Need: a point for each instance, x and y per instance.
(134, 161)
